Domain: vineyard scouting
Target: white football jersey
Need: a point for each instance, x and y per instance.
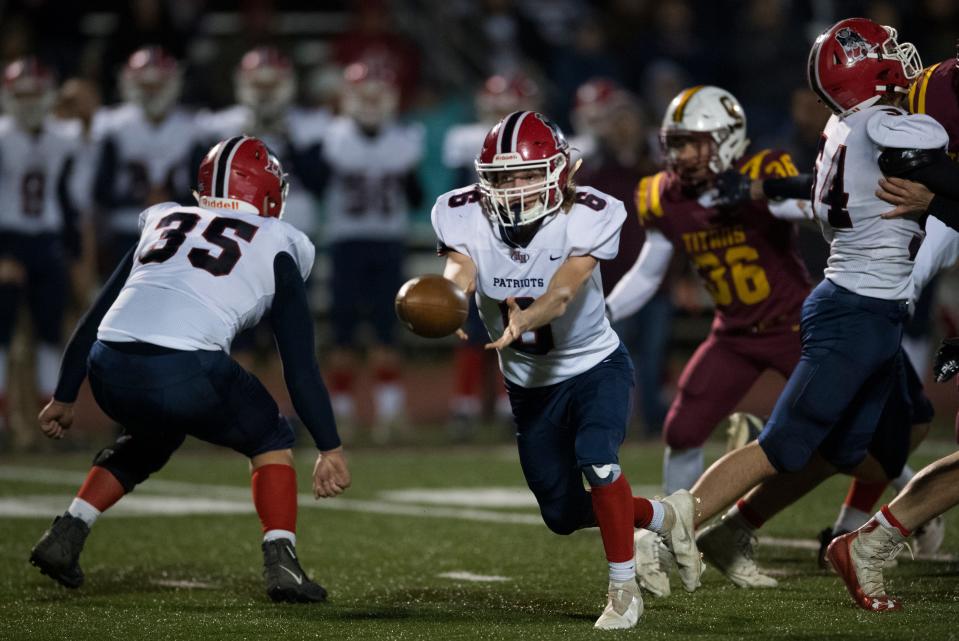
(463, 143)
(366, 195)
(200, 276)
(868, 255)
(581, 337)
(303, 128)
(31, 168)
(147, 155)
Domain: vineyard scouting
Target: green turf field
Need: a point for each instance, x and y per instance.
(383, 550)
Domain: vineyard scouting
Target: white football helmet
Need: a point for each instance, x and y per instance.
(711, 111)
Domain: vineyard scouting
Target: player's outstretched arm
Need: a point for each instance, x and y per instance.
(57, 416)
(563, 287)
(293, 330)
(460, 269)
(643, 279)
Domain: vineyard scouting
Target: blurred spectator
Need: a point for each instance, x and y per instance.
(672, 36)
(937, 29)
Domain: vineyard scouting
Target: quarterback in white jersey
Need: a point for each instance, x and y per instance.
(154, 349)
(528, 243)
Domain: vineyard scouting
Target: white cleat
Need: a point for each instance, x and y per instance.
(624, 607)
(928, 538)
(729, 548)
(680, 539)
(649, 573)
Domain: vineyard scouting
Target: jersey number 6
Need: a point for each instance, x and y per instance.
(171, 240)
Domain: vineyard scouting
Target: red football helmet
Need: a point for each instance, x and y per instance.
(524, 141)
(151, 78)
(371, 93)
(265, 82)
(595, 101)
(28, 92)
(857, 61)
(240, 174)
(501, 95)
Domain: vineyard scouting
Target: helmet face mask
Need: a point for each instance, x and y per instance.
(523, 169)
(28, 93)
(151, 78)
(370, 94)
(692, 156)
(265, 83)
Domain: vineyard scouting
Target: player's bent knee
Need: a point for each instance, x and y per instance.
(132, 462)
(600, 475)
(558, 521)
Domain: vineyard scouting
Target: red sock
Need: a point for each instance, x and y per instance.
(385, 374)
(274, 495)
(101, 489)
(467, 370)
(751, 516)
(642, 512)
(612, 505)
(864, 495)
(894, 521)
(341, 381)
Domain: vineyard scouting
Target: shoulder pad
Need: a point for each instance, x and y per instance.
(648, 196)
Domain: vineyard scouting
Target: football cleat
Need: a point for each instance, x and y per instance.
(825, 538)
(57, 553)
(928, 538)
(729, 546)
(624, 607)
(286, 581)
(649, 572)
(681, 541)
(858, 558)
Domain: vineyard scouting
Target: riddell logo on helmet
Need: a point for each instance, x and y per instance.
(854, 45)
(507, 157)
(219, 203)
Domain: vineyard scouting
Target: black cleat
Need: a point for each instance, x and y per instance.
(286, 582)
(57, 553)
(825, 538)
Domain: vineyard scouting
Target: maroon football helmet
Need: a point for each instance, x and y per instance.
(595, 101)
(265, 82)
(28, 92)
(151, 78)
(240, 174)
(857, 61)
(523, 142)
(371, 92)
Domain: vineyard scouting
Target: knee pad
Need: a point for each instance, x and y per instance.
(600, 475)
(133, 460)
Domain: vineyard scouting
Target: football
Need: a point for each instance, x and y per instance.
(431, 306)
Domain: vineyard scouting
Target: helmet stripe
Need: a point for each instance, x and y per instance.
(507, 139)
(683, 100)
(222, 166)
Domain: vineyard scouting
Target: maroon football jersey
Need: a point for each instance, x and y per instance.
(936, 93)
(747, 258)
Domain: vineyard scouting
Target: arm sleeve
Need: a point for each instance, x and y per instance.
(946, 210)
(106, 171)
(940, 174)
(293, 330)
(73, 366)
(799, 187)
(791, 209)
(639, 284)
(71, 213)
(939, 250)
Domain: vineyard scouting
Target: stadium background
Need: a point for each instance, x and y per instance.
(444, 51)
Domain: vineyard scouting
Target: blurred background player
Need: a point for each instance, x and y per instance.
(38, 224)
(265, 89)
(371, 162)
(613, 120)
(477, 378)
(154, 346)
(149, 147)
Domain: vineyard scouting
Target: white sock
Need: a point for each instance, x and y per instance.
(903, 479)
(659, 515)
(48, 368)
(883, 521)
(343, 406)
(849, 519)
(84, 511)
(503, 407)
(273, 535)
(389, 400)
(681, 468)
(466, 406)
(623, 571)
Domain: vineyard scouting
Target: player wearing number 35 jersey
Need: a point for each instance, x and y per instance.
(156, 341)
(527, 241)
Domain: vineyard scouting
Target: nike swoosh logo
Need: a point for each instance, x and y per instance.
(551, 257)
(292, 553)
(296, 577)
(602, 471)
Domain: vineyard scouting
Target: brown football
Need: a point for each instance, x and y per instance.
(431, 306)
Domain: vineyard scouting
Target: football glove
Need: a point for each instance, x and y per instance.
(947, 360)
(733, 188)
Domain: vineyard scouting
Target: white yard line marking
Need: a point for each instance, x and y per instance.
(230, 499)
(469, 576)
(184, 583)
